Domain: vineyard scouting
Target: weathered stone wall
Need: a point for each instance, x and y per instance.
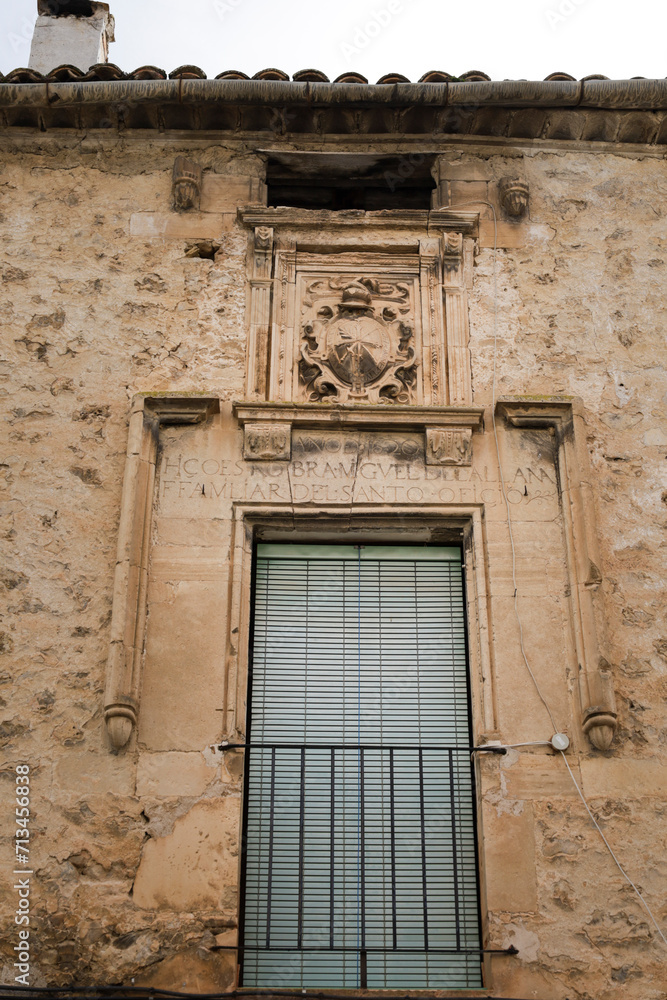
(100, 302)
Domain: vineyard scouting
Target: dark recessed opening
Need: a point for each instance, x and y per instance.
(346, 181)
(66, 8)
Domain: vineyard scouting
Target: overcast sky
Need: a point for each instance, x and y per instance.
(515, 39)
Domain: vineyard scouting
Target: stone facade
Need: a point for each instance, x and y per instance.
(173, 393)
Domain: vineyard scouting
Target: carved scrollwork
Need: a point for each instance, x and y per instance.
(356, 342)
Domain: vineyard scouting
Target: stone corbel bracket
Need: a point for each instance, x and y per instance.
(513, 194)
(564, 418)
(128, 619)
(447, 430)
(186, 183)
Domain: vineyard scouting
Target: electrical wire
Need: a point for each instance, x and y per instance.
(359, 831)
(608, 846)
(500, 468)
(488, 204)
(514, 582)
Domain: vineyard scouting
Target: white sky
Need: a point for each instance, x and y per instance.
(508, 39)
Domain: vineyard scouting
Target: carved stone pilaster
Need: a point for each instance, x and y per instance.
(283, 348)
(513, 196)
(260, 285)
(448, 446)
(186, 183)
(128, 618)
(565, 420)
(456, 318)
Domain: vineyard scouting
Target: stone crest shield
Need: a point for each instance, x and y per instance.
(350, 352)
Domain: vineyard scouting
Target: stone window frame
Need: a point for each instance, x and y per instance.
(562, 417)
(377, 524)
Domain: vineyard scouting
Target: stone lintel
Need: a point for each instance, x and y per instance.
(303, 218)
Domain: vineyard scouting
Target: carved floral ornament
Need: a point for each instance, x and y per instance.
(357, 343)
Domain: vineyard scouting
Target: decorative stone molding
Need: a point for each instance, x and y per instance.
(267, 443)
(452, 245)
(368, 323)
(128, 620)
(448, 429)
(513, 195)
(186, 183)
(564, 419)
(271, 521)
(450, 446)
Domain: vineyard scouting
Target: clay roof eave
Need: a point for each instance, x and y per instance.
(521, 109)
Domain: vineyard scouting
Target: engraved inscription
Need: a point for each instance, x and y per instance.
(344, 469)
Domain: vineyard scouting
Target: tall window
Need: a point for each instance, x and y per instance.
(360, 866)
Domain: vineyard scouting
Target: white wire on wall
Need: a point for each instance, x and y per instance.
(595, 823)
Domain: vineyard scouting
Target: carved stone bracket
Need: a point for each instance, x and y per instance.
(565, 419)
(186, 183)
(513, 195)
(267, 443)
(128, 619)
(448, 446)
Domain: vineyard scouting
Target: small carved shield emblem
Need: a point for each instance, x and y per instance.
(358, 350)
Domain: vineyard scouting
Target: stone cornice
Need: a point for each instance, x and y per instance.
(367, 417)
(608, 111)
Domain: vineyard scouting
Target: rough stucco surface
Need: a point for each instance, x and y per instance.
(133, 853)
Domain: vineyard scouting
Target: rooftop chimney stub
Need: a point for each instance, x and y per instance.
(71, 32)
(63, 8)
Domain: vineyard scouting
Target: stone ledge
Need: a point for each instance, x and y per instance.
(369, 417)
(303, 218)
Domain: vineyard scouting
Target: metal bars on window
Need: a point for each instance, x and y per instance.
(360, 865)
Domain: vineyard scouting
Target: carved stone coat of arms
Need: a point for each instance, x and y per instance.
(356, 342)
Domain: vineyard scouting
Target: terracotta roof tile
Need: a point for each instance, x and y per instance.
(109, 71)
